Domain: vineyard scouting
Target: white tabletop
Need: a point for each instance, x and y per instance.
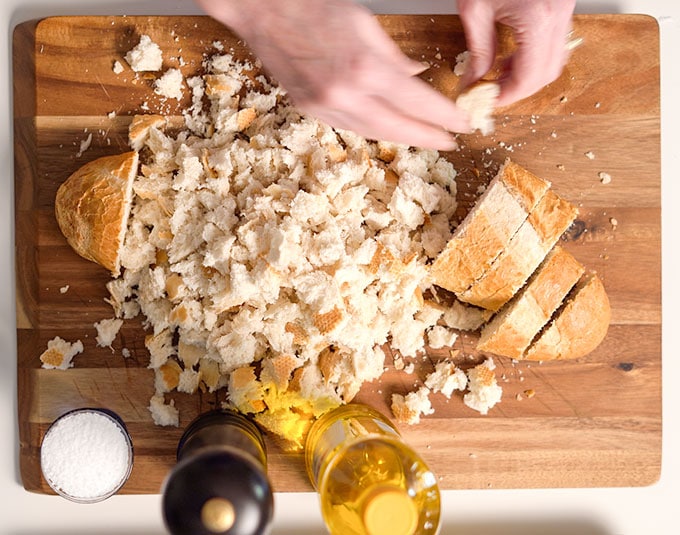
(604, 511)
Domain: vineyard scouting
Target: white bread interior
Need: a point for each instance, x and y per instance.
(479, 100)
(93, 205)
(523, 253)
(485, 232)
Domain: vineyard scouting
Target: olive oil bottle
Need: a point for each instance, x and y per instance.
(369, 481)
(219, 484)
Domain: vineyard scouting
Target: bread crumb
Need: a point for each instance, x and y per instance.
(462, 62)
(64, 289)
(590, 155)
(484, 392)
(170, 84)
(59, 353)
(439, 336)
(107, 329)
(84, 145)
(446, 378)
(162, 413)
(118, 67)
(408, 409)
(145, 56)
(605, 178)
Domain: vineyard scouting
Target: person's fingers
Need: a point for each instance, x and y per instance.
(414, 97)
(375, 118)
(538, 61)
(370, 31)
(478, 21)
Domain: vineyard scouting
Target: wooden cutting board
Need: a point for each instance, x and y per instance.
(590, 423)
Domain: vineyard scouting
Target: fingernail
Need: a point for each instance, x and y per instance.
(450, 144)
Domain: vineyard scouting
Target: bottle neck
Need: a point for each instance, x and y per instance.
(337, 430)
(223, 429)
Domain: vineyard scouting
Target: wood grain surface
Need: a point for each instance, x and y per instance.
(592, 422)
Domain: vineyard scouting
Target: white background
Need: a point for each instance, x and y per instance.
(628, 511)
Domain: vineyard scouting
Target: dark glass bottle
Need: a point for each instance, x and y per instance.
(219, 484)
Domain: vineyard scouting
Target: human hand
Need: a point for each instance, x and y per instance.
(540, 30)
(337, 64)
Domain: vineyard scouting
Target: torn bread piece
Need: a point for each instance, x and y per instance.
(523, 253)
(107, 329)
(511, 330)
(479, 101)
(446, 378)
(138, 130)
(408, 409)
(93, 205)
(483, 389)
(578, 327)
(59, 353)
(486, 230)
(146, 56)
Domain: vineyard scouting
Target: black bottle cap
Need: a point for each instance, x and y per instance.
(219, 484)
(217, 491)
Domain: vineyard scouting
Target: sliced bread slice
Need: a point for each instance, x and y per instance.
(578, 327)
(523, 254)
(486, 230)
(93, 205)
(512, 329)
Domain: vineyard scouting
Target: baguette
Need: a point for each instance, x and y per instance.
(93, 205)
(511, 330)
(484, 233)
(523, 253)
(578, 326)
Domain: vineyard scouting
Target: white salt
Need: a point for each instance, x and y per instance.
(86, 455)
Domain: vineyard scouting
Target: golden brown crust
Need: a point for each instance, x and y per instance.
(139, 128)
(488, 228)
(578, 327)
(552, 216)
(523, 254)
(92, 208)
(510, 332)
(526, 187)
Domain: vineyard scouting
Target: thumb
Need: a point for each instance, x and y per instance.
(480, 35)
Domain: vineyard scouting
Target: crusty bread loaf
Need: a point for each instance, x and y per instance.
(93, 205)
(511, 330)
(578, 326)
(523, 253)
(484, 233)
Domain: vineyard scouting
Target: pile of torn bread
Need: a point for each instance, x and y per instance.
(275, 257)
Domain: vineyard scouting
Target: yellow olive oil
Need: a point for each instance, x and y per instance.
(369, 481)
